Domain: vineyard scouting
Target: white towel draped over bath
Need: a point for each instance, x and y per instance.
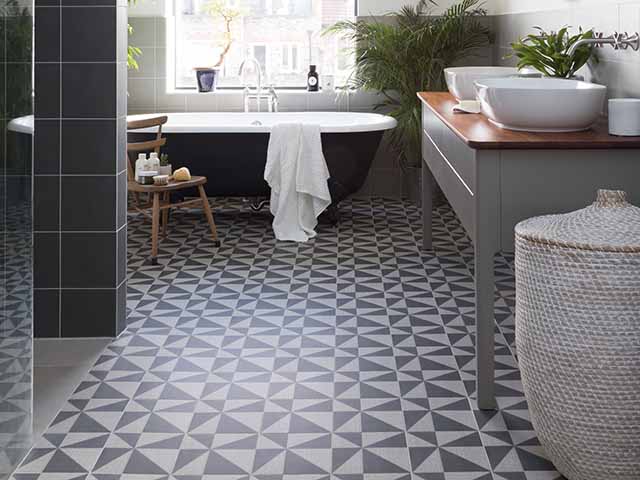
(297, 173)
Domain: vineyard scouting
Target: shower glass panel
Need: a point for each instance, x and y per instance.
(16, 233)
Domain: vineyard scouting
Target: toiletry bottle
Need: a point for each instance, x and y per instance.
(140, 165)
(312, 79)
(154, 162)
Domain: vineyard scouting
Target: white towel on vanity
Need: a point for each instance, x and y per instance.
(297, 173)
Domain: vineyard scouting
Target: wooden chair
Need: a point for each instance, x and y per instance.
(159, 197)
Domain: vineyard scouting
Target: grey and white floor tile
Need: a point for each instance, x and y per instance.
(346, 358)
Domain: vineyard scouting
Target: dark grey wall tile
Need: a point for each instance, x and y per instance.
(89, 34)
(46, 312)
(121, 148)
(47, 95)
(121, 308)
(122, 200)
(121, 259)
(89, 313)
(88, 203)
(46, 247)
(46, 201)
(89, 90)
(47, 34)
(46, 3)
(89, 260)
(121, 86)
(89, 147)
(91, 3)
(46, 147)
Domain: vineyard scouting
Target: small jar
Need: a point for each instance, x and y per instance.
(146, 177)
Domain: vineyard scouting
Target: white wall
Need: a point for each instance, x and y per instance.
(150, 8)
(518, 6)
(380, 7)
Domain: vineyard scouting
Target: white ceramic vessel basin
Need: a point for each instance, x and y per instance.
(460, 80)
(541, 104)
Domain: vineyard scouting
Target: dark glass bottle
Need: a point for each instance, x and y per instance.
(313, 82)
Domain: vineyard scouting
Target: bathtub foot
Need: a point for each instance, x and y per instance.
(258, 204)
(333, 214)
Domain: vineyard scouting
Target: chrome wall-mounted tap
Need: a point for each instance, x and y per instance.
(271, 96)
(619, 41)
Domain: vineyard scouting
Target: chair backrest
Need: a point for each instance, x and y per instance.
(133, 148)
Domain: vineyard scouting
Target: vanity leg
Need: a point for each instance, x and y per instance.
(485, 342)
(427, 207)
(486, 245)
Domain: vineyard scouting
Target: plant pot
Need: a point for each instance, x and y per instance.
(164, 170)
(207, 79)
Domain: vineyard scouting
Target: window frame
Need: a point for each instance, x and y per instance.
(171, 72)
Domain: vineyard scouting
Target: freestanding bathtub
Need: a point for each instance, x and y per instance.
(230, 149)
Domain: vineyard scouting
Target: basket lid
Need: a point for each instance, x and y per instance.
(610, 224)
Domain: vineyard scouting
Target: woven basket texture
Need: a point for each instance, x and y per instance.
(578, 336)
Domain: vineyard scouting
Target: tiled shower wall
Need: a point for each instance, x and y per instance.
(79, 166)
(619, 70)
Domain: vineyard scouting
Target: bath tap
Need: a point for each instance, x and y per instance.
(619, 41)
(247, 91)
(271, 97)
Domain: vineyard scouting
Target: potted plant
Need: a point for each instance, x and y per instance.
(406, 55)
(207, 77)
(165, 166)
(548, 52)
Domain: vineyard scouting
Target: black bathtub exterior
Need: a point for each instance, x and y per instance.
(234, 162)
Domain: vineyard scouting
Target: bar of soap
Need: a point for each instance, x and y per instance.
(467, 106)
(182, 175)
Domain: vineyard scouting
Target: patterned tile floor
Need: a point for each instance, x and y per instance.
(348, 358)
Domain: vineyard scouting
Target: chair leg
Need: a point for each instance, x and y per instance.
(155, 227)
(207, 212)
(165, 214)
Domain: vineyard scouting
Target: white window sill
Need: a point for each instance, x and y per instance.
(286, 91)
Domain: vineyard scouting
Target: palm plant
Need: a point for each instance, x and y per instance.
(409, 55)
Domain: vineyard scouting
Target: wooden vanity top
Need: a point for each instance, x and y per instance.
(480, 134)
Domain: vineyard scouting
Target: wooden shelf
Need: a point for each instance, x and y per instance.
(480, 134)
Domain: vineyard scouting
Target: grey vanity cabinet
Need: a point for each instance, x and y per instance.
(494, 178)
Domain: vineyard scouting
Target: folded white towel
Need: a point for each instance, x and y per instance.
(297, 173)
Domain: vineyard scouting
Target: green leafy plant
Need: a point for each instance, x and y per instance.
(408, 54)
(132, 52)
(16, 29)
(548, 52)
(164, 160)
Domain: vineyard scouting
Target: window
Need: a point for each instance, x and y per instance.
(284, 36)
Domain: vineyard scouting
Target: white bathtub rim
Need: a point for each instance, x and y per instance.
(369, 122)
(21, 125)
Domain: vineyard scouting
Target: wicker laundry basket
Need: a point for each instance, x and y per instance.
(578, 336)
